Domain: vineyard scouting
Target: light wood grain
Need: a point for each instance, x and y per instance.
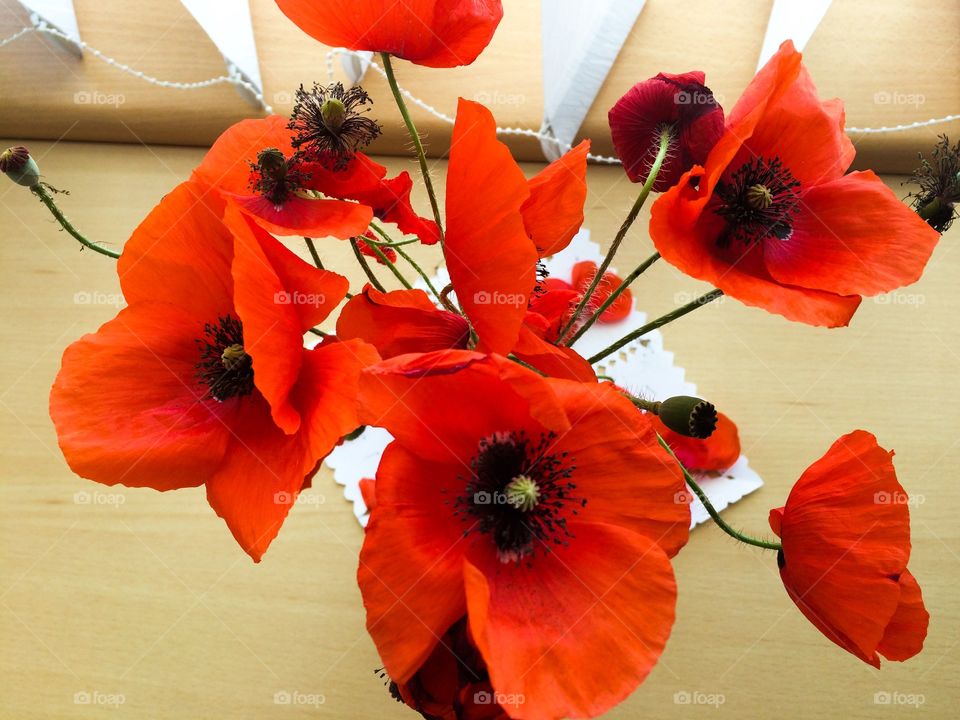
(152, 600)
(891, 61)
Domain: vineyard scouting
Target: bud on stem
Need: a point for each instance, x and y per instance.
(17, 165)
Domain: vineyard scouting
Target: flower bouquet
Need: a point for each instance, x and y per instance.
(523, 518)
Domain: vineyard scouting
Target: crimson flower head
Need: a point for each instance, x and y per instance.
(845, 532)
(435, 33)
(680, 103)
(517, 501)
(773, 220)
(204, 379)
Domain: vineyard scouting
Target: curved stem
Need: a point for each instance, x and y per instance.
(654, 324)
(415, 136)
(714, 515)
(642, 268)
(47, 199)
(390, 264)
(665, 137)
(366, 266)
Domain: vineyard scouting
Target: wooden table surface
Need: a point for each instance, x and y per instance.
(130, 603)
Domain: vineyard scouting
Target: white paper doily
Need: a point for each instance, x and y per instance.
(643, 367)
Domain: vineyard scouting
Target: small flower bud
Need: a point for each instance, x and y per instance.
(17, 165)
(688, 416)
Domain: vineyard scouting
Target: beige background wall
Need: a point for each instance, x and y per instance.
(893, 61)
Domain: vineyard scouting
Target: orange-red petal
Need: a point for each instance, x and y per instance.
(128, 408)
(491, 259)
(715, 454)
(553, 213)
(401, 321)
(558, 362)
(578, 628)
(435, 33)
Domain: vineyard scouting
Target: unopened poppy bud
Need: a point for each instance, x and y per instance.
(688, 416)
(17, 165)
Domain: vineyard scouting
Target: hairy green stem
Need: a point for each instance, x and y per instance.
(654, 324)
(366, 266)
(47, 199)
(415, 136)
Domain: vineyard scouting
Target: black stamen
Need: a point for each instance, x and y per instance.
(330, 123)
(276, 177)
(487, 502)
(225, 367)
(758, 202)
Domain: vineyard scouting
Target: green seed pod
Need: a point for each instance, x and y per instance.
(17, 165)
(688, 416)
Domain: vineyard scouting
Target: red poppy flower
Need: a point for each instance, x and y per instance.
(518, 500)
(435, 33)
(401, 321)
(772, 220)
(583, 274)
(681, 102)
(492, 242)
(717, 453)
(254, 165)
(845, 532)
(203, 378)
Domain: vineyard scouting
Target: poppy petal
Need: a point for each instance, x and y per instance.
(435, 33)
(553, 213)
(853, 237)
(181, 254)
(127, 406)
(558, 362)
(491, 259)
(401, 321)
(411, 603)
(629, 478)
(907, 630)
(715, 454)
(611, 606)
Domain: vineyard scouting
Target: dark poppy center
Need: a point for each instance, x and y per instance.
(275, 176)
(330, 123)
(520, 494)
(225, 367)
(758, 202)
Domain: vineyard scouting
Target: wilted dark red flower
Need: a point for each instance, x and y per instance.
(680, 102)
